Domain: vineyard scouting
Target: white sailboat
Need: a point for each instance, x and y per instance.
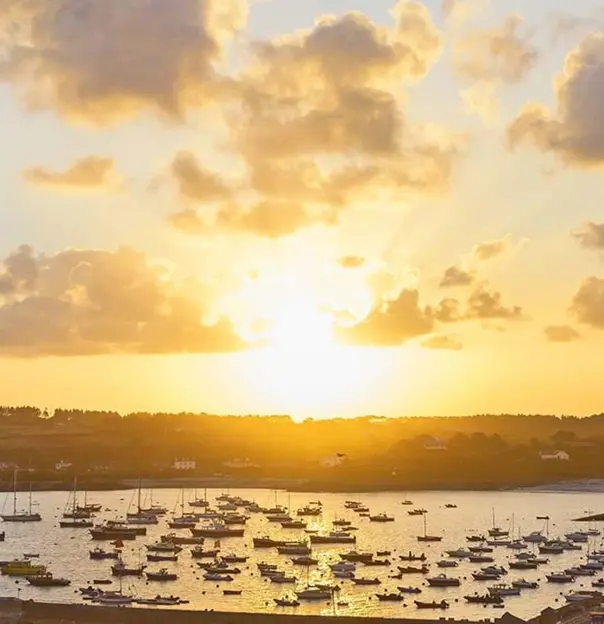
(20, 516)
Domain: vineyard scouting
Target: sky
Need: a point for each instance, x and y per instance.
(311, 207)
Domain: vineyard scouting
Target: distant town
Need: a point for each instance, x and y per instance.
(106, 449)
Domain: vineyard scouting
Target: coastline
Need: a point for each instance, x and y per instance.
(299, 485)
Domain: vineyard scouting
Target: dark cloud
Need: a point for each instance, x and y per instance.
(447, 343)
(561, 333)
(574, 131)
(391, 323)
(455, 276)
(588, 303)
(590, 236)
(485, 304)
(88, 302)
(89, 173)
(103, 61)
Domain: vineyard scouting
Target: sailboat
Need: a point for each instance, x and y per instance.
(496, 531)
(22, 516)
(184, 521)
(200, 502)
(75, 519)
(428, 538)
(141, 516)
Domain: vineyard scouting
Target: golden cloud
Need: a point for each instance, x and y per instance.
(195, 182)
(574, 131)
(588, 303)
(87, 302)
(456, 276)
(561, 333)
(102, 61)
(89, 173)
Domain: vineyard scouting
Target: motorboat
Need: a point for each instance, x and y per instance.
(161, 575)
(413, 570)
(334, 537)
(560, 577)
(390, 597)
(46, 579)
(157, 557)
(409, 590)
(524, 584)
(536, 537)
(99, 553)
(443, 604)
(523, 564)
(517, 545)
(354, 556)
(579, 596)
(551, 548)
(484, 599)
(214, 576)
(21, 568)
(442, 580)
(486, 576)
(447, 563)
(459, 553)
(121, 569)
(305, 560)
(161, 601)
(314, 593)
(381, 517)
(413, 557)
(501, 589)
(476, 538)
(580, 571)
(366, 581)
(481, 559)
(286, 602)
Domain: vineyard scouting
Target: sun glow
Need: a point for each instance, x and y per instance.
(304, 373)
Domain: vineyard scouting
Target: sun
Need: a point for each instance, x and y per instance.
(300, 328)
(303, 371)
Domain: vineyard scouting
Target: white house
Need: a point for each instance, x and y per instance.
(63, 465)
(555, 456)
(184, 464)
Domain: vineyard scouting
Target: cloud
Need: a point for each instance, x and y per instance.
(351, 262)
(561, 333)
(316, 118)
(485, 303)
(458, 12)
(447, 343)
(267, 218)
(333, 91)
(481, 99)
(99, 62)
(491, 249)
(574, 131)
(195, 182)
(455, 276)
(501, 54)
(588, 303)
(391, 323)
(448, 311)
(89, 173)
(590, 236)
(94, 302)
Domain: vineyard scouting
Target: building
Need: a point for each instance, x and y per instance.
(63, 465)
(555, 456)
(184, 464)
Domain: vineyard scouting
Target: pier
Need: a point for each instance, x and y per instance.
(13, 611)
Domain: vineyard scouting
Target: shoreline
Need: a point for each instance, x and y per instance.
(295, 485)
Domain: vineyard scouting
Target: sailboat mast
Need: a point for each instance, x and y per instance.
(75, 486)
(29, 510)
(15, 492)
(139, 494)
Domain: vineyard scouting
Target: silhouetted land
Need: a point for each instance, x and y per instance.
(480, 452)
